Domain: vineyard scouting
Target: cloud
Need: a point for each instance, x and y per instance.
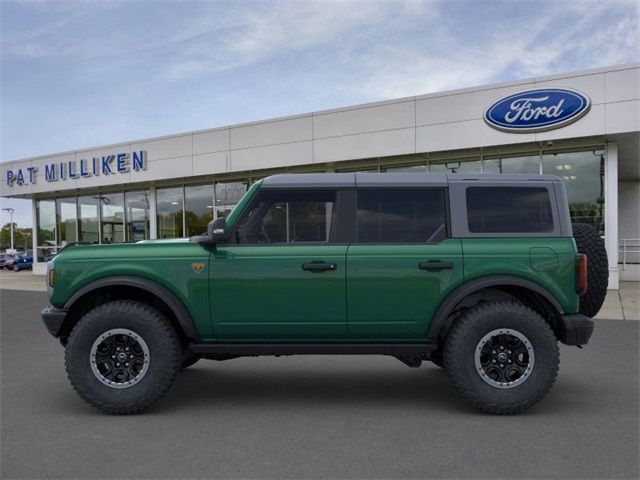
(102, 72)
(397, 46)
(53, 27)
(274, 29)
(556, 39)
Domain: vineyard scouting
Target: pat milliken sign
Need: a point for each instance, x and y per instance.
(118, 163)
(537, 110)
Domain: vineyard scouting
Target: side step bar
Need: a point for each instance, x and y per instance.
(259, 349)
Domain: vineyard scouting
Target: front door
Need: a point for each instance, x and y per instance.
(401, 265)
(283, 278)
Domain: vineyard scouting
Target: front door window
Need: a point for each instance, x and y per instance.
(289, 217)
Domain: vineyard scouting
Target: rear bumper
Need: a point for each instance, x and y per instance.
(575, 329)
(53, 319)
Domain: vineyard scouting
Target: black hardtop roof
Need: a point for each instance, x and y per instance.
(396, 179)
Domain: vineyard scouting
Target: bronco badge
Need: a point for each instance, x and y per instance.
(197, 267)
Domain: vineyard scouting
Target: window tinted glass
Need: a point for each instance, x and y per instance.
(198, 208)
(46, 222)
(169, 212)
(509, 210)
(67, 220)
(401, 215)
(289, 217)
(112, 217)
(137, 215)
(88, 219)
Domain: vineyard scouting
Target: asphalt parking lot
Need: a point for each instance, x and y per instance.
(315, 417)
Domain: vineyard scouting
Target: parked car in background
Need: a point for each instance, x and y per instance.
(23, 262)
(6, 257)
(8, 263)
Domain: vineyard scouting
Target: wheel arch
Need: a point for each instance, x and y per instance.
(535, 296)
(135, 288)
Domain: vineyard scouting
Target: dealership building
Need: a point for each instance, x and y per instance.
(582, 126)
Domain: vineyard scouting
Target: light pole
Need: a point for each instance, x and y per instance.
(10, 210)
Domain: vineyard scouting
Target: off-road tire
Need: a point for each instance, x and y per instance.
(463, 340)
(165, 356)
(589, 242)
(437, 358)
(188, 359)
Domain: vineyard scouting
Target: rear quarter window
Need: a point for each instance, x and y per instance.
(509, 210)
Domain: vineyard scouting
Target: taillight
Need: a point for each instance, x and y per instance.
(581, 273)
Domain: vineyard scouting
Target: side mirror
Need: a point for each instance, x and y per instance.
(217, 231)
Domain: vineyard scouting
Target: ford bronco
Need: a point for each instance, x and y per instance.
(481, 274)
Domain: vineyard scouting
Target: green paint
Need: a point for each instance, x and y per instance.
(375, 293)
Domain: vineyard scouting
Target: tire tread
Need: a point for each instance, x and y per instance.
(589, 242)
(456, 342)
(162, 326)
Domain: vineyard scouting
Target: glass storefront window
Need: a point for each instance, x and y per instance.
(67, 220)
(365, 169)
(112, 217)
(46, 224)
(227, 195)
(198, 208)
(407, 168)
(137, 215)
(169, 215)
(474, 166)
(528, 164)
(88, 230)
(583, 177)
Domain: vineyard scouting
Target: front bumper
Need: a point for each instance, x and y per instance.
(575, 329)
(53, 319)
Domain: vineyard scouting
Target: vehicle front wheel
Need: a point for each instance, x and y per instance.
(188, 359)
(122, 356)
(502, 357)
(16, 268)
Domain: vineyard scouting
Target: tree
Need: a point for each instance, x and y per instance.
(21, 237)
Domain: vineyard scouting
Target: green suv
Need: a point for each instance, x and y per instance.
(480, 274)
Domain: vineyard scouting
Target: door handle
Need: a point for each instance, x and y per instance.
(319, 267)
(435, 265)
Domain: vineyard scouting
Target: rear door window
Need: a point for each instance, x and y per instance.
(509, 210)
(401, 215)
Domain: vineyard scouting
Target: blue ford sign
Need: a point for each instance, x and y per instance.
(537, 110)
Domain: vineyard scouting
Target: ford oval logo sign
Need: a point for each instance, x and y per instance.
(537, 110)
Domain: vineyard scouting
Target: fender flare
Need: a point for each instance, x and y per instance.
(439, 321)
(167, 296)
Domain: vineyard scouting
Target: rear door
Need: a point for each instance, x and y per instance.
(402, 263)
(285, 277)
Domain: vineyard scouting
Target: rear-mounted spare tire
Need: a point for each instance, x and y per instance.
(589, 243)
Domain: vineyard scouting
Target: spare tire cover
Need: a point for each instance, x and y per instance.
(589, 242)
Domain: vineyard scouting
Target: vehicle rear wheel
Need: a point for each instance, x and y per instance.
(437, 358)
(122, 356)
(16, 268)
(589, 242)
(502, 357)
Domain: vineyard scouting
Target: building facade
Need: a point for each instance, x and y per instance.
(582, 126)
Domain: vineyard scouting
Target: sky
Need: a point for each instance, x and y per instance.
(82, 74)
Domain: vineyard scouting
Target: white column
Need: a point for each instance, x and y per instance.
(34, 239)
(153, 226)
(611, 212)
